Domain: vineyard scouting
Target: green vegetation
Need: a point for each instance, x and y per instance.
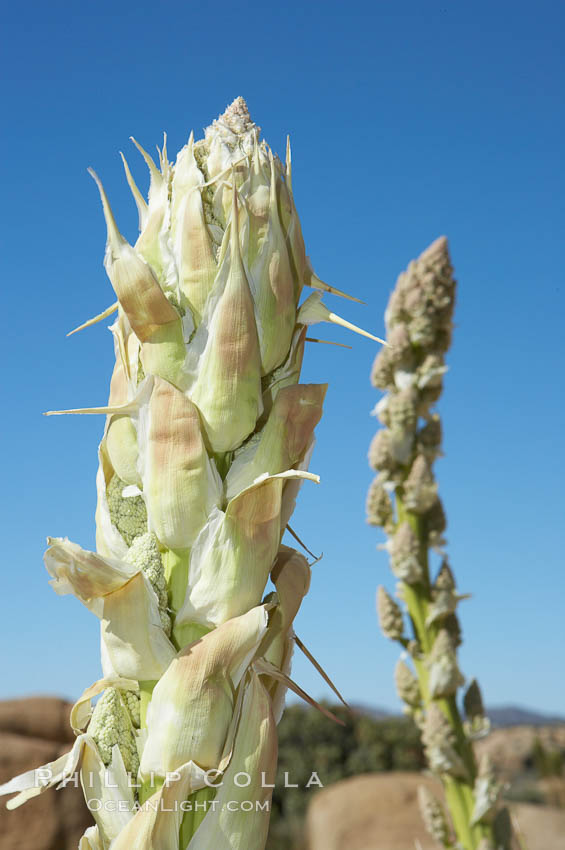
(547, 762)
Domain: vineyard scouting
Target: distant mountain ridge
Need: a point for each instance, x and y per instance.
(501, 716)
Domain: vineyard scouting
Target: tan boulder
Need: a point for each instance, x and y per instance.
(37, 717)
(375, 811)
(541, 827)
(511, 749)
(380, 812)
(55, 820)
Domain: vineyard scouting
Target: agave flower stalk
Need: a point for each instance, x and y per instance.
(207, 440)
(403, 499)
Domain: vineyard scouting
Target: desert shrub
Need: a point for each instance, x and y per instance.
(547, 762)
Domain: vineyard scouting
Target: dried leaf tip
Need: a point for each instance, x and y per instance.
(327, 342)
(140, 201)
(313, 310)
(99, 318)
(163, 160)
(154, 171)
(288, 164)
(115, 238)
(315, 282)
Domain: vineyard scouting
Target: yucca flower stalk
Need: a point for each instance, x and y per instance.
(403, 499)
(207, 441)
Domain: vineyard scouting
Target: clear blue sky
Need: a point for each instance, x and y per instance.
(408, 120)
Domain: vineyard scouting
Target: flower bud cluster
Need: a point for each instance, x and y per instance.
(128, 513)
(132, 703)
(444, 597)
(420, 489)
(439, 741)
(111, 725)
(379, 506)
(445, 676)
(410, 371)
(405, 554)
(433, 816)
(390, 615)
(486, 792)
(477, 724)
(144, 553)
(407, 686)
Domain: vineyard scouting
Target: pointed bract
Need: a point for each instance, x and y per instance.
(227, 390)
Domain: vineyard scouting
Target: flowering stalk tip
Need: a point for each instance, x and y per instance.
(207, 439)
(403, 499)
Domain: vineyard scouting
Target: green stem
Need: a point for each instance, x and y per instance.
(193, 818)
(458, 806)
(188, 633)
(413, 596)
(145, 693)
(175, 562)
(458, 794)
(449, 706)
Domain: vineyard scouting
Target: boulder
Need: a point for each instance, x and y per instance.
(32, 732)
(37, 717)
(380, 811)
(511, 750)
(376, 811)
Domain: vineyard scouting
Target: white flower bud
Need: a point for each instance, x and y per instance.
(439, 741)
(420, 489)
(477, 724)
(486, 792)
(445, 676)
(407, 686)
(402, 410)
(379, 506)
(382, 376)
(390, 615)
(433, 816)
(405, 555)
(380, 457)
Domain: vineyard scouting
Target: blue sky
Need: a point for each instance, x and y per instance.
(408, 120)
